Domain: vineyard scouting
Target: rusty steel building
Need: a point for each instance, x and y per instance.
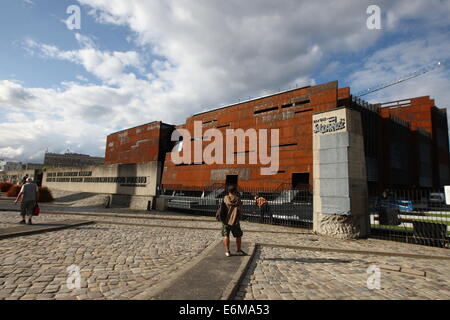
(406, 142)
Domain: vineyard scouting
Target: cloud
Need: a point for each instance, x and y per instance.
(188, 56)
(14, 95)
(9, 152)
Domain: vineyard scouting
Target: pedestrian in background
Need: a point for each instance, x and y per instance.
(231, 223)
(264, 209)
(30, 195)
(24, 179)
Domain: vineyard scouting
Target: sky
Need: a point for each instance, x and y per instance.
(136, 61)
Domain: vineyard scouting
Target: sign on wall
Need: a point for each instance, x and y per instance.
(331, 124)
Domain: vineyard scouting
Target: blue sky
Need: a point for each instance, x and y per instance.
(138, 61)
(44, 21)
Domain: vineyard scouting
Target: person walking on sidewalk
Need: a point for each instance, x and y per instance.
(231, 222)
(30, 196)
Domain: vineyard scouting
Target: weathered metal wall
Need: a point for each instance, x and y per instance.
(290, 112)
(139, 144)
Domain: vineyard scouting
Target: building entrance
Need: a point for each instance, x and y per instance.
(300, 179)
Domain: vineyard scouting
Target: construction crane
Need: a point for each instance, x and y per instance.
(410, 76)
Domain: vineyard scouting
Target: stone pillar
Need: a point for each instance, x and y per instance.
(340, 181)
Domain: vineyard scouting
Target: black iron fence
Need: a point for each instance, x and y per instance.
(279, 206)
(412, 216)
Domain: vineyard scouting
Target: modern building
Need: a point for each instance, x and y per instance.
(406, 142)
(145, 143)
(71, 160)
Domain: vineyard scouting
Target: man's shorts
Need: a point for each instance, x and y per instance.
(27, 208)
(235, 230)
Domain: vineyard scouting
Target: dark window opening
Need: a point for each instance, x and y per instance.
(295, 104)
(231, 180)
(287, 145)
(190, 164)
(300, 103)
(300, 179)
(266, 110)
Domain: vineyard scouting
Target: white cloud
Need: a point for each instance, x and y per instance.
(9, 152)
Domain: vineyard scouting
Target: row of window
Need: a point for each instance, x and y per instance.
(70, 174)
(128, 180)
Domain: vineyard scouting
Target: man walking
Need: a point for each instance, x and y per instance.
(231, 222)
(30, 195)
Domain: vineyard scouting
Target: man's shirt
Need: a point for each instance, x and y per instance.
(29, 191)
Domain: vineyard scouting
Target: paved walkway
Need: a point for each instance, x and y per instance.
(288, 274)
(129, 256)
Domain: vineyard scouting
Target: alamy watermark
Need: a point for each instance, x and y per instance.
(374, 20)
(73, 22)
(74, 279)
(258, 151)
(374, 278)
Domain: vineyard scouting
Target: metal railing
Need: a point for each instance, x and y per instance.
(416, 216)
(288, 207)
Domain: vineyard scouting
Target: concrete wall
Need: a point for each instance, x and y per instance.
(131, 185)
(138, 179)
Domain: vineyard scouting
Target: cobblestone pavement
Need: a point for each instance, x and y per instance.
(279, 273)
(253, 232)
(121, 261)
(116, 262)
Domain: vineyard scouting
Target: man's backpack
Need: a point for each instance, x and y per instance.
(222, 211)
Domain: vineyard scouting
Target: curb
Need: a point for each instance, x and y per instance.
(44, 230)
(161, 286)
(231, 289)
(377, 253)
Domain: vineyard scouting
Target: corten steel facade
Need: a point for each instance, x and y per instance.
(406, 142)
(145, 143)
(290, 112)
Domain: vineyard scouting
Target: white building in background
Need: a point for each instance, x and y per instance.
(10, 166)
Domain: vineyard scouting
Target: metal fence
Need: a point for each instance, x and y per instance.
(412, 216)
(283, 205)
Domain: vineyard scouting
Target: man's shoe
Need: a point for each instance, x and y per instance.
(241, 253)
(227, 254)
(30, 223)
(22, 222)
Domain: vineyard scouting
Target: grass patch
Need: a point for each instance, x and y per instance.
(400, 228)
(444, 215)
